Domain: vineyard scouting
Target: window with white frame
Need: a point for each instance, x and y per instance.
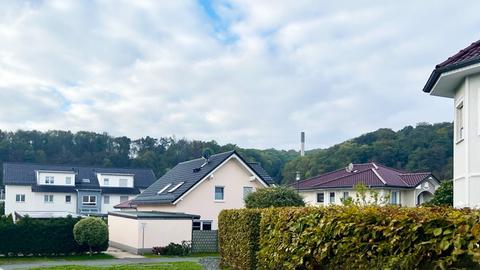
(68, 180)
(320, 197)
(123, 198)
(20, 198)
(346, 195)
(247, 191)
(106, 182)
(332, 197)
(49, 180)
(123, 182)
(459, 121)
(68, 199)
(106, 199)
(394, 197)
(48, 198)
(89, 200)
(202, 225)
(219, 193)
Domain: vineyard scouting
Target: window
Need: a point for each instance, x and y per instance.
(345, 194)
(459, 121)
(246, 191)
(123, 198)
(175, 187)
(89, 200)
(320, 197)
(106, 199)
(68, 199)
(20, 198)
(164, 188)
(426, 185)
(123, 182)
(219, 193)
(204, 225)
(332, 197)
(48, 198)
(394, 197)
(68, 180)
(106, 181)
(49, 180)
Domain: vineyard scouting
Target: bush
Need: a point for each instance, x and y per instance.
(92, 232)
(238, 235)
(443, 195)
(39, 237)
(274, 197)
(174, 249)
(2, 208)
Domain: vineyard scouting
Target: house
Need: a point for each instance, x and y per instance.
(37, 190)
(406, 189)
(204, 187)
(458, 78)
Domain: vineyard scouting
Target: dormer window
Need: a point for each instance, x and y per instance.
(163, 189)
(175, 187)
(68, 180)
(106, 181)
(123, 183)
(49, 180)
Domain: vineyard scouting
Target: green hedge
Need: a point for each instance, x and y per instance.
(40, 237)
(238, 238)
(359, 238)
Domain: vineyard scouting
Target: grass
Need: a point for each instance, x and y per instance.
(28, 259)
(149, 266)
(193, 255)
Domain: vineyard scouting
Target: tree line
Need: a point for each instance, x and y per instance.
(424, 147)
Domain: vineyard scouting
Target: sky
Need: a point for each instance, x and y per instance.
(253, 73)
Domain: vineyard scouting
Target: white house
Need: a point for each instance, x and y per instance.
(459, 78)
(35, 189)
(406, 189)
(204, 187)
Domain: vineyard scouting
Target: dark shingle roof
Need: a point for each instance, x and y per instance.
(468, 56)
(185, 172)
(369, 174)
(153, 215)
(24, 174)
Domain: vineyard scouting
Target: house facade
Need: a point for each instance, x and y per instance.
(34, 188)
(204, 187)
(458, 78)
(402, 188)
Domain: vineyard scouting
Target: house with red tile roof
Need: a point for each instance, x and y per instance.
(458, 78)
(403, 188)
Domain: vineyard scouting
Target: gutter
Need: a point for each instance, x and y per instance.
(438, 71)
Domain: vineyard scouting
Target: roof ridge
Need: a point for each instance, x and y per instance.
(343, 176)
(73, 166)
(195, 159)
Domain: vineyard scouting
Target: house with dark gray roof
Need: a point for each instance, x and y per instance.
(401, 188)
(458, 78)
(204, 186)
(39, 189)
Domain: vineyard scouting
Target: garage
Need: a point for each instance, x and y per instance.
(140, 231)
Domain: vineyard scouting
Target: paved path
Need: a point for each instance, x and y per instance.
(96, 262)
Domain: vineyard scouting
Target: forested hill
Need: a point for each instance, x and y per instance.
(425, 147)
(422, 148)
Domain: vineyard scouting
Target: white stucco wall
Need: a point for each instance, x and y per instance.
(200, 201)
(124, 231)
(59, 178)
(34, 201)
(114, 200)
(114, 180)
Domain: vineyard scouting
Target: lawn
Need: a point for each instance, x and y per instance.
(154, 266)
(30, 259)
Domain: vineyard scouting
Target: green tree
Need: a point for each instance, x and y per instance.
(92, 232)
(443, 195)
(274, 197)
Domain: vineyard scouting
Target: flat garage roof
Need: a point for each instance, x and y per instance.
(153, 215)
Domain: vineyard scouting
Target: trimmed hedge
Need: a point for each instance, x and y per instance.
(355, 237)
(40, 237)
(238, 234)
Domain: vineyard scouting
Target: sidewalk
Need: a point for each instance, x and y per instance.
(96, 262)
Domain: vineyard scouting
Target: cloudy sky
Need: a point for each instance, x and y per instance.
(254, 73)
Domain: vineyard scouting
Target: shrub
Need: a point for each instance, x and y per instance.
(92, 232)
(238, 238)
(443, 195)
(39, 237)
(2, 208)
(368, 237)
(174, 249)
(273, 197)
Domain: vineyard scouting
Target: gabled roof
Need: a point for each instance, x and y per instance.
(190, 173)
(369, 174)
(468, 56)
(153, 215)
(125, 205)
(25, 174)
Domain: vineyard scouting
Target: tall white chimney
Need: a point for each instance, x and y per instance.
(302, 143)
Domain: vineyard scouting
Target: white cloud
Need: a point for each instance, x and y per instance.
(254, 74)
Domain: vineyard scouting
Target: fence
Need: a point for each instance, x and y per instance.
(205, 241)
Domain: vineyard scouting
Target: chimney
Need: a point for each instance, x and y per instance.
(302, 143)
